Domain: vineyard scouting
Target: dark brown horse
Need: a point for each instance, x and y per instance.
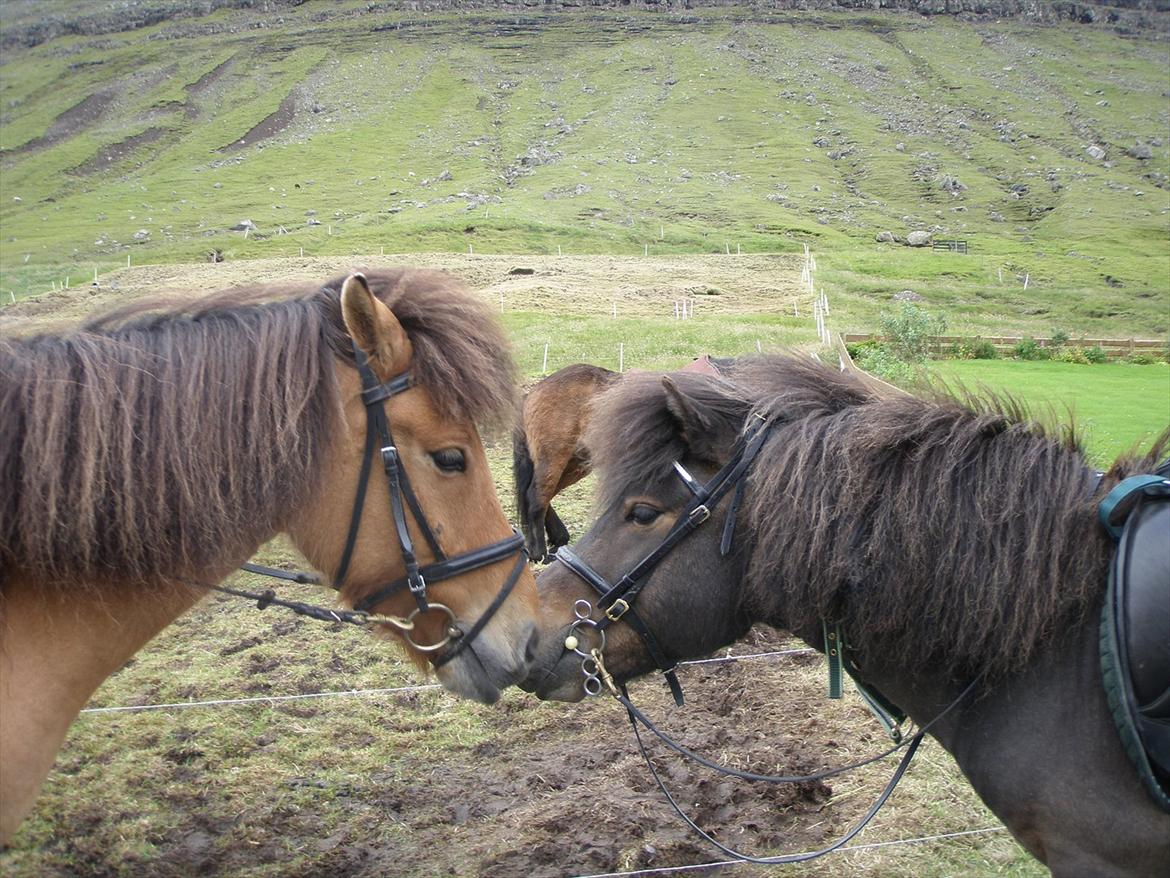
(147, 454)
(953, 542)
(547, 454)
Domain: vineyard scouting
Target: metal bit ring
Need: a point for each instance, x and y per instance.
(451, 632)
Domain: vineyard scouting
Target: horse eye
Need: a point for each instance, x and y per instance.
(643, 514)
(449, 460)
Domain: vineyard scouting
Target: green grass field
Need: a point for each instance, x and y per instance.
(1119, 407)
(718, 130)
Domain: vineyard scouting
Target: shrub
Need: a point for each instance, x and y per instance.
(1029, 349)
(1095, 355)
(961, 350)
(981, 349)
(858, 349)
(1073, 355)
(1143, 358)
(881, 362)
(1059, 338)
(909, 330)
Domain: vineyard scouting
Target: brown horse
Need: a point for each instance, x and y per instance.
(148, 453)
(547, 454)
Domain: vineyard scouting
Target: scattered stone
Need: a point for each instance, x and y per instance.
(567, 192)
(446, 175)
(244, 226)
(906, 296)
(918, 239)
(522, 271)
(1095, 152)
(886, 237)
(1139, 151)
(142, 235)
(952, 185)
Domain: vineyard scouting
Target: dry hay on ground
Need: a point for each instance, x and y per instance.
(584, 285)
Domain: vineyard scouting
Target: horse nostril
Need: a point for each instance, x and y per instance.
(530, 650)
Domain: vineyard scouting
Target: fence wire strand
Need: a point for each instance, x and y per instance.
(358, 693)
(721, 864)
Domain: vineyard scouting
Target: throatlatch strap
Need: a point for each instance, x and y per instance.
(359, 500)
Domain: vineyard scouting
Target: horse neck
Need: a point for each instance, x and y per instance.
(55, 650)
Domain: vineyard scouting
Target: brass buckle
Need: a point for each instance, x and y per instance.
(611, 615)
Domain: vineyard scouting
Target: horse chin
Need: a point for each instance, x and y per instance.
(562, 681)
(466, 678)
(482, 671)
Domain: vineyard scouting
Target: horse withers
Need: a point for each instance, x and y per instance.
(951, 542)
(148, 453)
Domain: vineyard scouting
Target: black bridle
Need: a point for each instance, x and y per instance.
(380, 441)
(616, 600)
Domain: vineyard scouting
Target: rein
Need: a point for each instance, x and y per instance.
(910, 744)
(403, 500)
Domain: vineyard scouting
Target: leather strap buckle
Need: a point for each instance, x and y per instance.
(698, 515)
(614, 616)
(390, 458)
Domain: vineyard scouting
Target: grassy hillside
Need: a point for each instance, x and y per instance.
(340, 130)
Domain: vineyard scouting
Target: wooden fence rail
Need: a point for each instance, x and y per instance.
(1113, 347)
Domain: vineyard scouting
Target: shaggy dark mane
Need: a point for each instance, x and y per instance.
(150, 442)
(874, 508)
(961, 514)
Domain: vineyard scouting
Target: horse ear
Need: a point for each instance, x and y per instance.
(708, 422)
(374, 328)
(692, 427)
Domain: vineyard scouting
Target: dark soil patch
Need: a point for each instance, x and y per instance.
(204, 85)
(109, 156)
(270, 126)
(77, 118)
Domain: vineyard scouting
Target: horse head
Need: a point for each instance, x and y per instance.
(655, 441)
(407, 518)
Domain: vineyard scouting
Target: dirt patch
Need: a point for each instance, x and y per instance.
(109, 156)
(77, 118)
(205, 85)
(268, 127)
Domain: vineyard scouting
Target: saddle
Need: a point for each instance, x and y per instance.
(1135, 625)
